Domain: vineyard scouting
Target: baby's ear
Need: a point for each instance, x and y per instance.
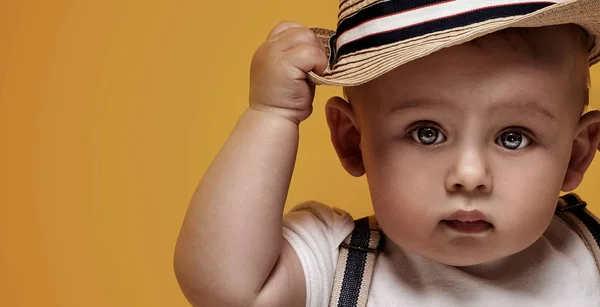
(586, 142)
(345, 135)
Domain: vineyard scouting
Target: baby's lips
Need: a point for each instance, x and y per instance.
(467, 216)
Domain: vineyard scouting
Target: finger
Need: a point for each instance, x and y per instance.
(307, 58)
(293, 37)
(282, 26)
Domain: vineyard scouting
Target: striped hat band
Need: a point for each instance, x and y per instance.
(374, 37)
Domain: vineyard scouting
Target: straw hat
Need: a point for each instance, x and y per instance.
(376, 36)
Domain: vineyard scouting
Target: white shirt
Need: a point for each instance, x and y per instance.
(557, 270)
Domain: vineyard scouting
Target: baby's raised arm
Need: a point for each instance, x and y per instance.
(230, 251)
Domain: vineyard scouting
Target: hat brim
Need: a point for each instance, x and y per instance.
(363, 66)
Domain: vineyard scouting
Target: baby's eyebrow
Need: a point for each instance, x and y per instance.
(524, 107)
(419, 103)
(529, 107)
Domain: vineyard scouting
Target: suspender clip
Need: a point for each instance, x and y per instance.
(358, 248)
(570, 203)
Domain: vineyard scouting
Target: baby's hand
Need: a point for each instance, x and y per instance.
(278, 74)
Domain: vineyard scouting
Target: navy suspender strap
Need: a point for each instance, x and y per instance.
(356, 262)
(573, 211)
(358, 252)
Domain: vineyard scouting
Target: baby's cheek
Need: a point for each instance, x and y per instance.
(406, 204)
(404, 226)
(526, 203)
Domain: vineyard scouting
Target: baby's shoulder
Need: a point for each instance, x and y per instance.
(319, 219)
(315, 232)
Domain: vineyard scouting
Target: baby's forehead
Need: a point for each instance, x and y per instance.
(506, 65)
(460, 71)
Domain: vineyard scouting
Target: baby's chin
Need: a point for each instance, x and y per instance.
(465, 253)
(469, 258)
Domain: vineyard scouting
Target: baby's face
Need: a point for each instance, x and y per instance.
(466, 150)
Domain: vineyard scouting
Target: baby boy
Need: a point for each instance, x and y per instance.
(465, 148)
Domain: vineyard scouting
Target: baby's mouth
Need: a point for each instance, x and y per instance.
(468, 222)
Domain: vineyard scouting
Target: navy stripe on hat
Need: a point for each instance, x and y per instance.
(423, 27)
(379, 10)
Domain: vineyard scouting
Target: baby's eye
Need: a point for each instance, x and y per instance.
(513, 140)
(428, 135)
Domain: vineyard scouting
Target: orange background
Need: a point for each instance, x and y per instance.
(110, 112)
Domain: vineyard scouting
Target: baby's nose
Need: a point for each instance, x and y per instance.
(469, 172)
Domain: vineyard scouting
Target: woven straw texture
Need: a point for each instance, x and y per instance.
(365, 65)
